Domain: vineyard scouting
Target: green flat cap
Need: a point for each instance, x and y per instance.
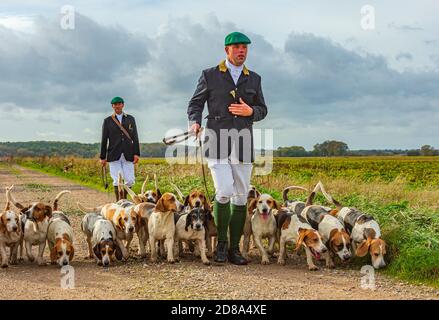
(117, 100)
(236, 38)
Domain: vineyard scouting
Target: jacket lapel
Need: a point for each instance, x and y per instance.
(226, 74)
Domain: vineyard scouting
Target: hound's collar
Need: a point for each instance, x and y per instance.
(223, 68)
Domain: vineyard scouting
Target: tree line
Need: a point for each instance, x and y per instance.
(329, 148)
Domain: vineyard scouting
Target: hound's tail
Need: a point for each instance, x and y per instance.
(180, 194)
(312, 195)
(84, 209)
(328, 196)
(8, 203)
(120, 184)
(58, 196)
(10, 198)
(287, 189)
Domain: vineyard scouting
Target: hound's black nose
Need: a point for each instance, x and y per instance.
(324, 250)
(15, 228)
(64, 263)
(131, 229)
(198, 226)
(197, 203)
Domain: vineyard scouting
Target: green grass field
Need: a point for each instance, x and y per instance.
(402, 193)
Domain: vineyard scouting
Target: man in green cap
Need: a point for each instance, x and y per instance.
(120, 146)
(234, 100)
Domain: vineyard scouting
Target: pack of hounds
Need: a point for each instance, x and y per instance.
(166, 224)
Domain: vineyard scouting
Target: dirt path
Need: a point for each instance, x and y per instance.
(189, 279)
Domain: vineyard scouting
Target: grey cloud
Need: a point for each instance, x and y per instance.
(71, 68)
(314, 87)
(404, 55)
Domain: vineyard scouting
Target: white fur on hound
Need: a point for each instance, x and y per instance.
(191, 226)
(124, 220)
(10, 233)
(101, 239)
(34, 223)
(331, 229)
(293, 228)
(60, 239)
(161, 225)
(364, 229)
(365, 234)
(263, 225)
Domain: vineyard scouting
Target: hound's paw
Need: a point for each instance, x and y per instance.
(52, 262)
(313, 268)
(206, 262)
(171, 260)
(31, 258)
(265, 261)
(281, 262)
(4, 265)
(13, 261)
(330, 265)
(42, 264)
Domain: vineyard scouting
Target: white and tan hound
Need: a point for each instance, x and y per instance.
(34, 222)
(293, 228)
(10, 233)
(161, 225)
(364, 230)
(60, 239)
(101, 239)
(334, 235)
(261, 211)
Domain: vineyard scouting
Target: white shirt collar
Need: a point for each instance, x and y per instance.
(235, 71)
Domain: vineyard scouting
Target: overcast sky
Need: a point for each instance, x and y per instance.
(323, 75)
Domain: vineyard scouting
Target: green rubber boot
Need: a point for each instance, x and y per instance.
(236, 227)
(221, 213)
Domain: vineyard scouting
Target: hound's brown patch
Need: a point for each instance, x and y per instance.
(286, 223)
(334, 212)
(336, 239)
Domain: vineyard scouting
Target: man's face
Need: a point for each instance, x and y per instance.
(237, 53)
(117, 107)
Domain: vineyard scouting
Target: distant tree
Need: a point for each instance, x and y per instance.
(331, 148)
(427, 150)
(293, 151)
(413, 153)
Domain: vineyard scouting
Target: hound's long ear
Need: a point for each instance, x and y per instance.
(252, 206)
(302, 235)
(72, 253)
(120, 223)
(53, 254)
(363, 248)
(186, 200)
(97, 251)
(48, 211)
(160, 206)
(188, 221)
(206, 205)
(118, 252)
(276, 205)
(159, 194)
